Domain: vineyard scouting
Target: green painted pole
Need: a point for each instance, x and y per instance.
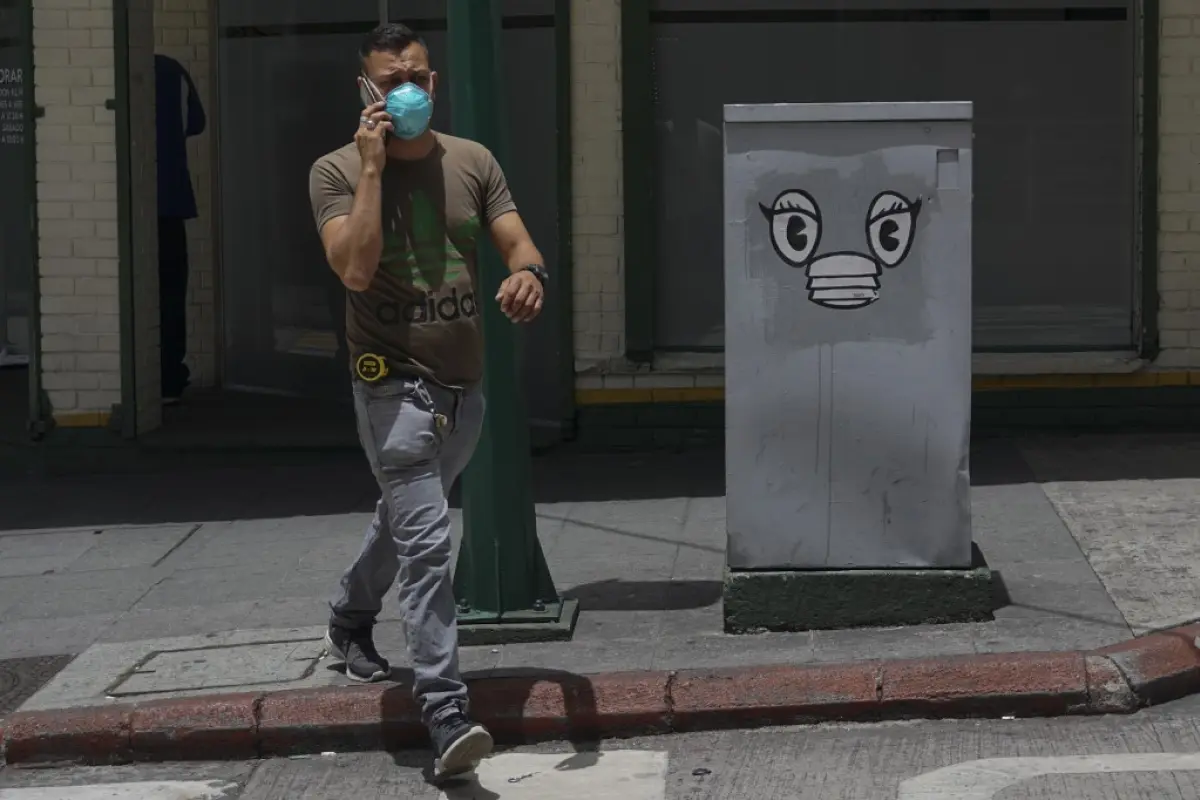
(502, 583)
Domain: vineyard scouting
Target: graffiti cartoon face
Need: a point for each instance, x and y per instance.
(844, 279)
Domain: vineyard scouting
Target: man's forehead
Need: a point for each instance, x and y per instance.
(413, 58)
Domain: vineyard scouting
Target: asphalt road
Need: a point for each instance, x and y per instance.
(1154, 755)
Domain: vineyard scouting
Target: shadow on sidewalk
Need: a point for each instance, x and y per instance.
(336, 484)
(502, 705)
(1114, 457)
(619, 595)
(245, 487)
(998, 462)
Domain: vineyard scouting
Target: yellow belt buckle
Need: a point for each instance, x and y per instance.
(441, 420)
(371, 368)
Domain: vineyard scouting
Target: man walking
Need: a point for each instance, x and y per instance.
(399, 213)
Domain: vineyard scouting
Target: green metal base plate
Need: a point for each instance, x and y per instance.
(825, 600)
(491, 633)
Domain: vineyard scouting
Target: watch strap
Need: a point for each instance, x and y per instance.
(538, 271)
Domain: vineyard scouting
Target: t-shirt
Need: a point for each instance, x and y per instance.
(173, 128)
(421, 311)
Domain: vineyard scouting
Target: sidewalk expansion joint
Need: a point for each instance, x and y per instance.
(1137, 702)
(256, 716)
(669, 700)
(179, 544)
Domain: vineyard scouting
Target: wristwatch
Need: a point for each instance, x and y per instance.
(538, 271)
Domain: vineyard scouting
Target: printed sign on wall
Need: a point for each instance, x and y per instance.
(16, 166)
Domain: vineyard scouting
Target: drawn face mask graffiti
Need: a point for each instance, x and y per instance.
(845, 279)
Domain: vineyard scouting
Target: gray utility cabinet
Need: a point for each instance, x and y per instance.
(848, 335)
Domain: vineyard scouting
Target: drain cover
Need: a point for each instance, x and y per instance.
(21, 677)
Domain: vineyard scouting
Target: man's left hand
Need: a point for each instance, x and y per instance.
(521, 296)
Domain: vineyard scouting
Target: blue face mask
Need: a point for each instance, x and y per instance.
(411, 108)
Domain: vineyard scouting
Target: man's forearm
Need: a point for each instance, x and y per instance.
(360, 244)
(522, 256)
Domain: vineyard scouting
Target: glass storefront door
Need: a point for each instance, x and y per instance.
(287, 96)
(1054, 95)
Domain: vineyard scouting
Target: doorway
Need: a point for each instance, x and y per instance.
(18, 388)
(286, 93)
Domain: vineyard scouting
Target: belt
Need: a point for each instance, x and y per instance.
(373, 368)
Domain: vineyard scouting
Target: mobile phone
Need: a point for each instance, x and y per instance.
(369, 92)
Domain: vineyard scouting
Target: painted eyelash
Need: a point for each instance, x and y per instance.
(896, 207)
(793, 201)
(775, 212)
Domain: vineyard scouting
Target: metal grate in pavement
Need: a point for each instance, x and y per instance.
(20, 678)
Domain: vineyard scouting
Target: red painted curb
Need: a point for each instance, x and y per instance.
(82, 735)
(748, 697)
(217, 728)
(543, 705)
(341, 719)
(1018, 684)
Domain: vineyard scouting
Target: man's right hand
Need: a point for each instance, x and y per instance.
(371, 138)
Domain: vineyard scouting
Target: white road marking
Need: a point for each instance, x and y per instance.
(604, 775)
(984, 779)
(155, 790)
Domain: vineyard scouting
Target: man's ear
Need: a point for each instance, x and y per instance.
(433, 85)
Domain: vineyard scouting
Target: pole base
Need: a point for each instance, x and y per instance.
(560, 628)
(832, 599)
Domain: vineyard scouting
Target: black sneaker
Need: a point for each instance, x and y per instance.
(356, 648)
(459, 743)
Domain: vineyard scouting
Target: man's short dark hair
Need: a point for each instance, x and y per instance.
(391, 37)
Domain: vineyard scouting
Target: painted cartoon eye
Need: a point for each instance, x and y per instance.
(795, 226)
(891, 223)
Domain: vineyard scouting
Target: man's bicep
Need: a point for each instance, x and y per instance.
(330, 193)
(330, 232)
(497, 198)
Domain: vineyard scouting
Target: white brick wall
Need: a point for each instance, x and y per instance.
(181, 31)
(599, 294)
(1179, 185)
(77, 203)
(77, 206)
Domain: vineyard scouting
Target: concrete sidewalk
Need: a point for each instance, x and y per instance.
(194, 582)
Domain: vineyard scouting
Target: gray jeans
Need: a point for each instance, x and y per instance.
(418, 437)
